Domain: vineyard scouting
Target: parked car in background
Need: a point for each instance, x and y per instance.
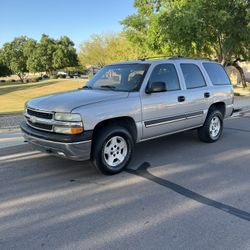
(62, 73)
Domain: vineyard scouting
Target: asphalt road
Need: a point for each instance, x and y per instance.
(179, 193)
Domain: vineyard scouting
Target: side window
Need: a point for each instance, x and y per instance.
(165, 73)
(217, 74)
(192, 76)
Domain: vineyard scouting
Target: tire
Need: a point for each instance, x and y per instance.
(210, 132)
(112, 150)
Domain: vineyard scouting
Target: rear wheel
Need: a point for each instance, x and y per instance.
(112, 150)
(212, 129)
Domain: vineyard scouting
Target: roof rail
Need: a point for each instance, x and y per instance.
(173, 58)
(152, 57)
(192, 58)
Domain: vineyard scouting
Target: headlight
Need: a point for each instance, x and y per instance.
(67, 123)
(67, 130)
(68, 117)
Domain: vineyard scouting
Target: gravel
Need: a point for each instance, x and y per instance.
(10, 121)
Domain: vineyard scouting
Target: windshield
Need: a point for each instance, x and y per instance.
(120, 77)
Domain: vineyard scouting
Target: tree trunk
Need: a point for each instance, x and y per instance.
(20, 75)
(242, 75)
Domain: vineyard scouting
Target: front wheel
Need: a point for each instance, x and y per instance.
(212, 129)
(112, 150)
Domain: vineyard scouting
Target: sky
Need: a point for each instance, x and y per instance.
(78, 19)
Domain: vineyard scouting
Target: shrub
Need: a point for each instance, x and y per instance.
(12, 80)
(236, 94)
(26, 81)
(2, 81)
(35, 79)
(90, 75)
(45, 77)
(62, 76)
(53, 77)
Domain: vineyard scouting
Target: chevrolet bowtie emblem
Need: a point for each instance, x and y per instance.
(33, 119)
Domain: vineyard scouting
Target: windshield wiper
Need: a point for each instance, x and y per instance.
(87, 87)
(108, 86)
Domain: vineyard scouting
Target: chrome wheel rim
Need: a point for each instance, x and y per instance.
(115, 151)
(214, 128)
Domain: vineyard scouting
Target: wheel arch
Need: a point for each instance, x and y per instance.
(123, 121)
(221, 106)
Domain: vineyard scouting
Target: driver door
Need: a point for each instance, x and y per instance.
(163, 112)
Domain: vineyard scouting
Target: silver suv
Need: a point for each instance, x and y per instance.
(130, 102)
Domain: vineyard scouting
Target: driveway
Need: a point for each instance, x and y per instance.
(178, 193)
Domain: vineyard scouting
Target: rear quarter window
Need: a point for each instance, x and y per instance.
(217, 74)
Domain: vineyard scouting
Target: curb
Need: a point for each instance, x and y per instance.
(10, 114)
(10, 130)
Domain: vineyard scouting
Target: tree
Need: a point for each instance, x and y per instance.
(41, 60)
(4, 70)
(50, 54)
(14, 55)
(35, 62)
(119, 48)
(213, 28)
(100, 50)
(65, 54)
(92, 52)
(26, 55)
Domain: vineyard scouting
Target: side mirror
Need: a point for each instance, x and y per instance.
(156, 87)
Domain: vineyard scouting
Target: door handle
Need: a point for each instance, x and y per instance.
(181, 98)
(206, 94)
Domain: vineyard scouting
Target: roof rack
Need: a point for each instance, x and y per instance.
(192, 58)
(174, 58)
(152, 57)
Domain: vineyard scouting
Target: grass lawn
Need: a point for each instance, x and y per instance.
(14, 95)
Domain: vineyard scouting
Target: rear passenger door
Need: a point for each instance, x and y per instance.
(198, 96)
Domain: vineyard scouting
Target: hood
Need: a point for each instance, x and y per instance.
(67, 101)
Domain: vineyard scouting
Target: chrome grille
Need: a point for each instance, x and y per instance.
(39, 119)
(44, 120)
(40, 125)
(39, 114)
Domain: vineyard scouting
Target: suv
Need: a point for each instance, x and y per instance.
(130, 102)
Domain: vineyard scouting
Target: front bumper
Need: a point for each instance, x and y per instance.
(72, 147)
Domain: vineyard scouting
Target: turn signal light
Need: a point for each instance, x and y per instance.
(76, 130)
